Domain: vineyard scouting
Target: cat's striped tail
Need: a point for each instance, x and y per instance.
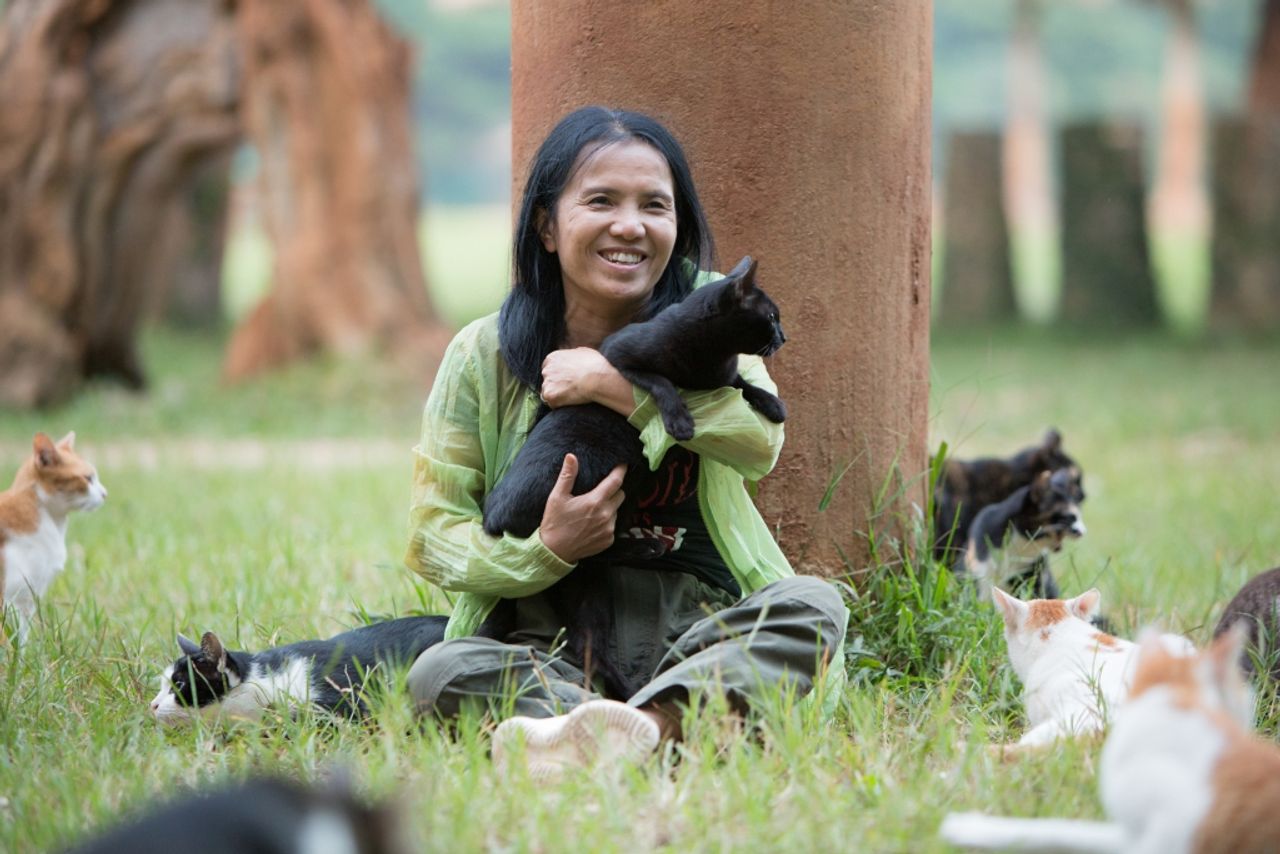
(995, 833)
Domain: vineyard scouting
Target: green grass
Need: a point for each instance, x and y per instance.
(222, 517)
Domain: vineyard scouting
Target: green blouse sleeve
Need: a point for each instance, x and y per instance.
(447, 542)
(725, 427)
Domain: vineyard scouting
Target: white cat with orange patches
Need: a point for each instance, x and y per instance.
(1073, 676)
(1180, 771)
(33, 521)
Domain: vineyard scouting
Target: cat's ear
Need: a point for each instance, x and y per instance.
(1039, 487)
(1011, 608)
(67, 442)
(1226, 674)
(1086, 604)
(745, 274)
(187, 645)
(213, 650)
(1052, 441)
(1224, 654)
(45, 453)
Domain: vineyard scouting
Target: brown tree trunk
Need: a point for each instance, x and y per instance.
(1029, 200)
(1106, 270)
(326, 102)
(1264, 82)
(109, 110)
(1246, 232)
(977, 282)
(195, 298)
(807, 126)
(1178, 205)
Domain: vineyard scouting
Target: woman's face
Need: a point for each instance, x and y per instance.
(614, 227)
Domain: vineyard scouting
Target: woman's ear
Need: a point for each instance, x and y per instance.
(545, 233)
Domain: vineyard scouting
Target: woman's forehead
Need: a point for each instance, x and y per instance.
(620, 160)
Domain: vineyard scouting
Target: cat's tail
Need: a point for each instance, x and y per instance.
(993, 833)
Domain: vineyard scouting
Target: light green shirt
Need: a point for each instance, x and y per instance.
(476, 418)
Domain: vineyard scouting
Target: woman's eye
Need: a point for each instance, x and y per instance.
(598, 200)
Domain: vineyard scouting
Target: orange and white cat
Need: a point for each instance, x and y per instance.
(1180, 771)
(33, 521)
(1073, 675)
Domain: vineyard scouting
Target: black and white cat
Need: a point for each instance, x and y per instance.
(693, 344)
(265, 815)
(1010, 541)
(210, 680)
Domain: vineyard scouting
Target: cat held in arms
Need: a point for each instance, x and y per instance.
(49, 486)
(694, 344)
(1181, 773)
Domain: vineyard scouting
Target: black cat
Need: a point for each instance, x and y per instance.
(693, 344)
(1009, 541)
(265, 815)
(328, 674)
(1257, 605)
(966, 486)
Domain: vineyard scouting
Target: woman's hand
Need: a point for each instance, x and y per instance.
(582, 375)
(578, 526)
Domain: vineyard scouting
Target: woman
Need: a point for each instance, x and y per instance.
(610, 231)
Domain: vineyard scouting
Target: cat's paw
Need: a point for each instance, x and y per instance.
(679, 425)
(768, 405)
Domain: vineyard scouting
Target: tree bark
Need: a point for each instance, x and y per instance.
(1106, 271)
(195, 298)
(1264, 80)
(1030, 202)
(808, 132)
(977, 281)
(110, 108)
(1246, 232)
(326, 103)
(1179, 203)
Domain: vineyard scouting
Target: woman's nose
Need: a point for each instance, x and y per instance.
(627, 225)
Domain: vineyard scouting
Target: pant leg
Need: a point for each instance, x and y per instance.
(481, 673)
(783, 634)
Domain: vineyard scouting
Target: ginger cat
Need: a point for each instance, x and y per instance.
(1180, 772)
(33, 521)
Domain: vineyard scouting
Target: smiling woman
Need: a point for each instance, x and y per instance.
(610, 232)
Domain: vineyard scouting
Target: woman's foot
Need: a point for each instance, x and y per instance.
(596, 731)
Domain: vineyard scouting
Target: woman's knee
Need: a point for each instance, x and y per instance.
(440, 665)
(818, 596)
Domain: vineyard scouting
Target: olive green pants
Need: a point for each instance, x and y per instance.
(681, 637)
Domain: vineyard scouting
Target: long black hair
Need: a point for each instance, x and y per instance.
(531, 322)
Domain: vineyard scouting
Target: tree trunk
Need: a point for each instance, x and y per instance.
(1106, 270)
(1246, 232)
(977, 282)
(110, 109)
(1179, 205)
(195, 299)
(1264, 82)
(326, 102)
(1029, 200)
(808, 131)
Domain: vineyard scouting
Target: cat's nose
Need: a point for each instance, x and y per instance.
(155, 706)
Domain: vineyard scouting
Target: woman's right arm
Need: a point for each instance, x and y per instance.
(447, 542)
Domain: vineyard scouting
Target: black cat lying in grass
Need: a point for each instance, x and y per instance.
(1009, 542)
(327, 674)
(964, 487)
(693, 344)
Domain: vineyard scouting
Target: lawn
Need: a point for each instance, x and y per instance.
(276, 511)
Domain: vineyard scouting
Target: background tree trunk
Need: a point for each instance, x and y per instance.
(195, 298)
(1030, 202)
(110, 109)
(977, 281)
(1106, 269)
(1179, 205)
(1246, 232)
(1264, 82)
(807, 126)
(326, 102)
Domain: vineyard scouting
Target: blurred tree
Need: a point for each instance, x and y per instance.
(1106, 270)
(1178, 204)
(1246, 204)
(326, 99)
(1029, 198)
(111, 110)
(977, 282)
(201, 221)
